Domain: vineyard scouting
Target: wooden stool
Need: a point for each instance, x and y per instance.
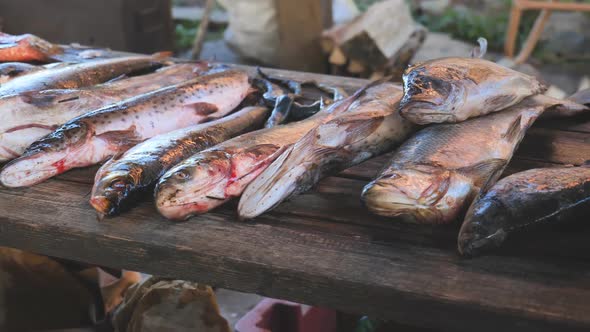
(546, 7)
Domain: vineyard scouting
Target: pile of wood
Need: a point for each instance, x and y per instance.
(379, 42)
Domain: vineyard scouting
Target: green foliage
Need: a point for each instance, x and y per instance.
(468, 25)
(185, 32)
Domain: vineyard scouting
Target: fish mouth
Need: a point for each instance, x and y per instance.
(178, 204)
(183, 211)
(29, 171)
(388, 201)
(102, 205)
(421, 194)
(471, 245)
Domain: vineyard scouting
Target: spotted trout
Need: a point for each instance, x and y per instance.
(434, 176)
(79, 75)
(522, 201)
(96, 136)
(213, 176)
(455, 89)
(368, 128)
(120, 180)
(32, 115)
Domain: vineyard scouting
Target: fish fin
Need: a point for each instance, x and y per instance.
(522, 122)
(203, 109)
(513, 130)
(484, 172)
(581, 97)
(118, 78)
(124, 138)
(345, 131)
(280, 112)
(480, 50)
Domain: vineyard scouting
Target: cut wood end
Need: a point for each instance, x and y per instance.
(356, 66)
(337, 57)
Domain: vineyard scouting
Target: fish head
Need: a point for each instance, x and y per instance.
(111, 189)
(419, 194)
(483, 228)
(195, 186)
(431, 93)
(46, 157)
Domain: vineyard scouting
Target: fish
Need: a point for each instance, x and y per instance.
(213, 176)
(26, 48)
(522, 201)
(368, 128)
(434, 176)
(32, 115)
(123, 178)
(96, 136)
(81, 74)
(10, 70)
(451, 90)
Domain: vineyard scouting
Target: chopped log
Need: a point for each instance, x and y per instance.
(383, 39)
(356, 67)
(337, 57)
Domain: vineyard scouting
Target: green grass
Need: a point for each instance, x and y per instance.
(185, 32)
(468, 25)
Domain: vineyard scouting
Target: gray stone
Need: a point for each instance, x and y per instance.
(567, 34)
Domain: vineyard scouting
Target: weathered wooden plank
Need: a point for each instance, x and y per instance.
(419, 285)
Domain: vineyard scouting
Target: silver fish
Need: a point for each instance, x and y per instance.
(455, 89)
(524, 200)
(368, 128)
(98, 135)
(434, 176)
(79, 75)
(120, 180)
(32, 115)
(214, 176)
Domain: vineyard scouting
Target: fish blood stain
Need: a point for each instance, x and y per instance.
(59, 166)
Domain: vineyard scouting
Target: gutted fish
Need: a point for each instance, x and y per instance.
(32, 115)
(434, 176)
(522, 201)
(27, 47)
(212, 177)
(455, 89)
(101, 134)
(369, 127)
(79, 75)
(119, 181)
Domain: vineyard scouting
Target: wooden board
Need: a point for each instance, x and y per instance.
(323, 248)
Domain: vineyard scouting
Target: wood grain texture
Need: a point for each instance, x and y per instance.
(324, 248)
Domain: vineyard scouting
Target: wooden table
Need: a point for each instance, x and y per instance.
(323, 248)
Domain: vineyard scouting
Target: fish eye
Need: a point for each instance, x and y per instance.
(118, 185)
(181, 175)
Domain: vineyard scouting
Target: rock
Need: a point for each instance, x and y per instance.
(439, 45)
(567, 34)
(434, 7)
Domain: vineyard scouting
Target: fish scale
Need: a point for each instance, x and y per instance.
(369, 127)
(119, 181)
(213, 176)
(103, 133)
(434, 176)
(455, 89)
(522, 201)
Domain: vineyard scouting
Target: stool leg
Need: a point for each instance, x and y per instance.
(533, 38)
(511, 32)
